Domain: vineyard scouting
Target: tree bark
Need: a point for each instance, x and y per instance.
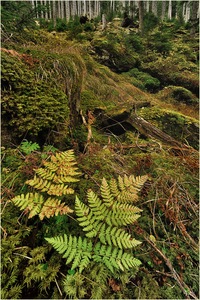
(141, 16)
(163, 10)
(193, 16)
(54, 13)
(103, 22)
(67, 10)
(154, 8)
(170, 9)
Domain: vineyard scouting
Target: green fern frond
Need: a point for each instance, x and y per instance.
(104, 215)
(80, 251)
(31, 201)
(114, 258)
(76, 250)
(117, 237)
(119, 218)
(106, 193)
(86, 218)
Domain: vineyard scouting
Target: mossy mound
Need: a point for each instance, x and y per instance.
(177, 125)
(178, 94)
(31, 106)
(170, 71)
(143, 80)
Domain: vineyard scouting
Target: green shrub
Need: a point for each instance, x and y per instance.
(135, 42)
(147, 81)
(161, 42)
(61, 25)
(150, 21)
(88, 26)
(115, 56)
(74, 27)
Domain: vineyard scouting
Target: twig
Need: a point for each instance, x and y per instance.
(22, 255)
(58, 287)
(183, 286)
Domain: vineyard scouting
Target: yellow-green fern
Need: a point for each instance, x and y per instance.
(51, 179)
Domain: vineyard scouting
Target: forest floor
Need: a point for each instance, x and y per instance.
(137, 99)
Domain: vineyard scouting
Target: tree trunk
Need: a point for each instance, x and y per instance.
(54, 13)
(155, 8)
(193, 16)
(79, 8)
(67, 10)
(170, 9)
(74, 10)
(84, 8)
(141, 16)
(163, 10)
(149, 130)
(62, 15)
(103, 22)
(90, 9)
(147, 6)
(187, 13)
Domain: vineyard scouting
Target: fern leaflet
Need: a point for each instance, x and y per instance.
(79, 252)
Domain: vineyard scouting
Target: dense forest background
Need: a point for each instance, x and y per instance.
(99, 149)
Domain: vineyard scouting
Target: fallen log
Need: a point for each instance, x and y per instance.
(130, 121)
(150, 130)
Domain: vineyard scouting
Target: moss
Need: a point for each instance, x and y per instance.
(146, 81)
(180, 127)
(174, 70)
(178, 94)
(29, 105)
(89, 101)
(144, 291)
(114, 55)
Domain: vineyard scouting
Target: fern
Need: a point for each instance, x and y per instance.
(76, 250)
(127, 188)
(50, 179)
(80, 252)
(102, 218)
(28, 147)
(35, 204)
